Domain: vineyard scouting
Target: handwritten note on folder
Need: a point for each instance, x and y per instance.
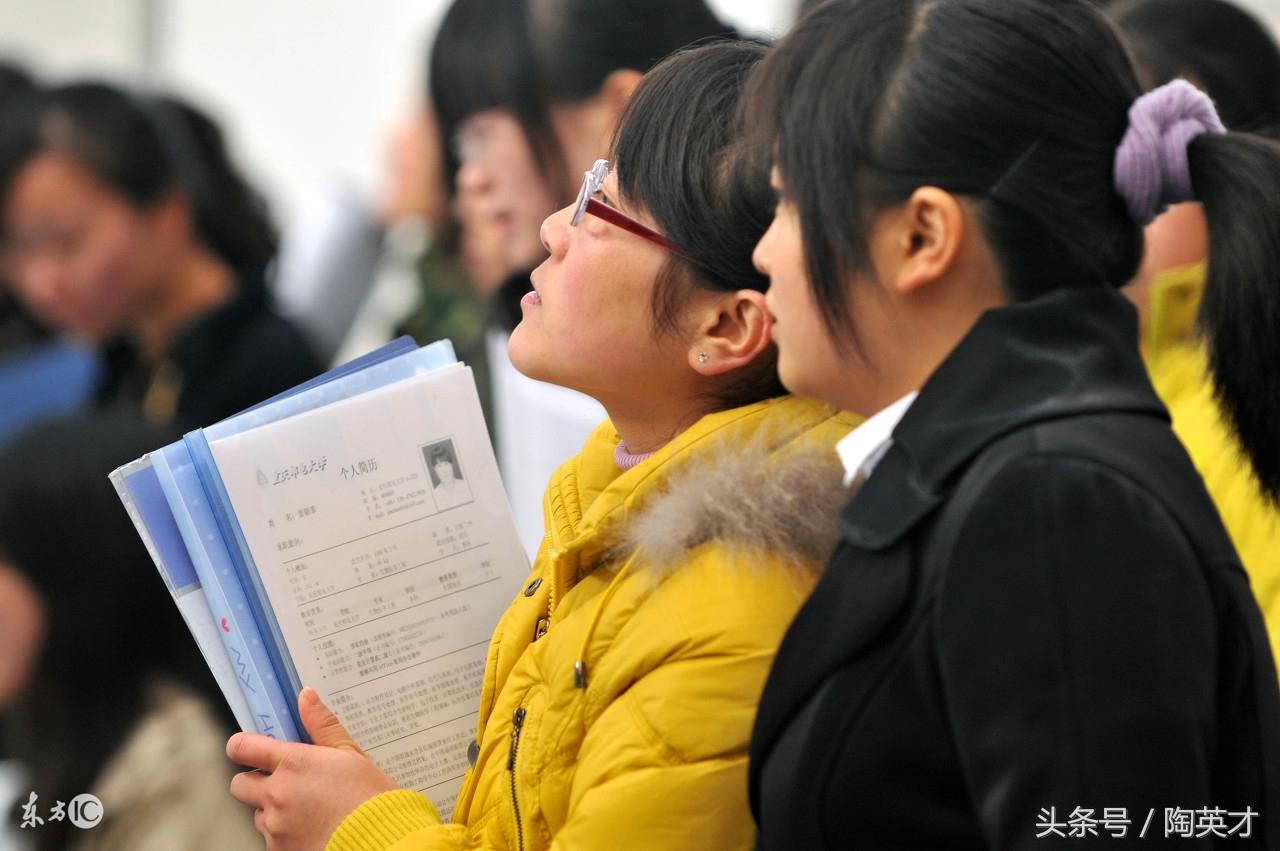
(351, 535)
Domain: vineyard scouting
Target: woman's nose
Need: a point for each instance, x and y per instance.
(760, 255)
(40, 282)
(473, 176)
(555, 231)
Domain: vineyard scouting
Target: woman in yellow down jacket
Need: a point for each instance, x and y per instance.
(621, 685)
(1234, 58)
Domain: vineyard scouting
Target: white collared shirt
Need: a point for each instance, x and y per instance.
(861, 449)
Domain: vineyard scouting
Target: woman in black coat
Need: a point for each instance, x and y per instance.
(1035, 626)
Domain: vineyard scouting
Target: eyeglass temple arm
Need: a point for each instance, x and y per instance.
(613, 217)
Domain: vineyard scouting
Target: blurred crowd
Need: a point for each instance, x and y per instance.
(144, 293)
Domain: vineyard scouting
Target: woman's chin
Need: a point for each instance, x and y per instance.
(522, 354)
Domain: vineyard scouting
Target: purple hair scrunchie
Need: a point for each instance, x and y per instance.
(1151, 169)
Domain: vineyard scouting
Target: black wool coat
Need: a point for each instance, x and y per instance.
(1034, 614)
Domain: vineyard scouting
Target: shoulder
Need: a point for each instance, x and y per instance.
(1065, 510)
(1090, 471)
(764, 495)
(266, 334)
(723, 588)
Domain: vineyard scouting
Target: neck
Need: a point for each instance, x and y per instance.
(646, 427)
(926, 335)
(1177, 238)
(198, 283)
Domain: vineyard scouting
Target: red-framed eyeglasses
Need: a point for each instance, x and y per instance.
(588, 203)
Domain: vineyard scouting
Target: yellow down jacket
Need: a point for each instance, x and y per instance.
(621, 684)
(1179, 369)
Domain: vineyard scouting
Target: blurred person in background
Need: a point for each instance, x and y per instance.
(356, 271)
(124, 224)
(1230, 55)
(17, 328)
(527, 93)
(102, 690)
(41, 375)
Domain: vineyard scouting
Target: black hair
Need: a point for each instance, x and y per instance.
(15, 84)
(804, 7)
(578, 43)
(482, 59)
(110, 627)
(146, 149)
(679, 156)
(1019, 105)
(17, 327)
(1218, 46)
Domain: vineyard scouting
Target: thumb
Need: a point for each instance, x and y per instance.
(322, 725)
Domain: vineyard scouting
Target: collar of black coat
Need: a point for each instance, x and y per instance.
(1071, 352)
(205, 339)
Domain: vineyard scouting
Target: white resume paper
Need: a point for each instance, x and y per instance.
(383, 538)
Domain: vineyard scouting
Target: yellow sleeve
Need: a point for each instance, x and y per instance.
(400, 820)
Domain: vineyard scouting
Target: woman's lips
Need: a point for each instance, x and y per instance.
(531, 299)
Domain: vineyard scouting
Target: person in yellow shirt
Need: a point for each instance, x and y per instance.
(1234, 58)
(621, 685)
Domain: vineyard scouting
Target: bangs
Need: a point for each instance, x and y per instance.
(481, 60)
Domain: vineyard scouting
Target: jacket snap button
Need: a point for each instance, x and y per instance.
(532, 586)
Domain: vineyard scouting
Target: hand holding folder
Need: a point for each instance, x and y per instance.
(351, 535)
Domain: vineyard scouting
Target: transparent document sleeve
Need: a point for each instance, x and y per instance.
(383, 539)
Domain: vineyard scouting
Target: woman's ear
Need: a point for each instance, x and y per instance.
(926, 238)
(732, 331)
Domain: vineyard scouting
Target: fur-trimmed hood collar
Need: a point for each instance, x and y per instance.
(763, 478)
(749, 497)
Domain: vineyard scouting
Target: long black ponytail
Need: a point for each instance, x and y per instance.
(1237, 179)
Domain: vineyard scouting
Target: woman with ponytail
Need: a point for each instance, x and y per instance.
(1035, 625)
(124, 223)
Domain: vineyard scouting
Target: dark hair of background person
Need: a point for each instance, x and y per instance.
(807, 6)
(17, 328)
(577, 44)
(110, 624)
(146, 150)
(678, 156)
(15, 84)
(1216, 45)
(481, 59)
(522, 55)
(1019, 106)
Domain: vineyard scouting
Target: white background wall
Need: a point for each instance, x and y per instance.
(307, 89)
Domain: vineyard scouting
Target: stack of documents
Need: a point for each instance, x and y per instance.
(351, 535)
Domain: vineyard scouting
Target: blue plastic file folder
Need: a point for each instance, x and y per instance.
(181, 509)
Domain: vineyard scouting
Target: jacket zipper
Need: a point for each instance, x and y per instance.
(517, 721)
